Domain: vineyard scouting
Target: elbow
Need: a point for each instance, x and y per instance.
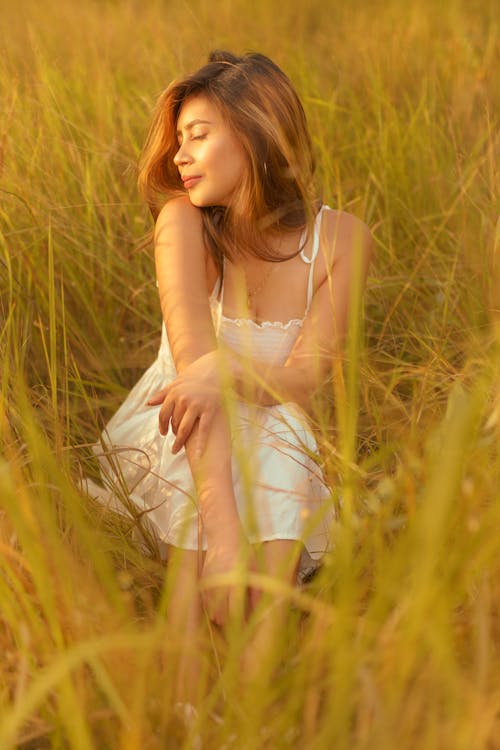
(309, 382)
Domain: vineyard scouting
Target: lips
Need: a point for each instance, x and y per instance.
(189, 182)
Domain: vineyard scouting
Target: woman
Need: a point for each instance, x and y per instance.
(255, 279)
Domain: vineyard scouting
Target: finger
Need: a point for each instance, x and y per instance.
(165, 415)
(254, 596)
(238, 602)
(157, 398)
(178, 412)
(203, 432)
(214, 603)
(219, 606)
(184, 430)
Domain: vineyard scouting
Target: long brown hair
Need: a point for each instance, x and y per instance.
(261, 106)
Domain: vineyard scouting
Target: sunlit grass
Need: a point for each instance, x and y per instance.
(395, 644)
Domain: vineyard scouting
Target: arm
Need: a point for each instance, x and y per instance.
(180, 268)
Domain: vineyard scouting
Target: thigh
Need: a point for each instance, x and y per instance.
(280, 558)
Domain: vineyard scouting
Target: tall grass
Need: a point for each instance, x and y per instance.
(395, 644)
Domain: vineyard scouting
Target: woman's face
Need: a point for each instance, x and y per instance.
(211, 160)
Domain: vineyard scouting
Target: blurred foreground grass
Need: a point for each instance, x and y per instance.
(398, 638)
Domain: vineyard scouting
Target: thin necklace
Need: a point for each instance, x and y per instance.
(253, 292)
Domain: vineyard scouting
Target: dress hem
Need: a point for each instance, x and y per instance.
(267, 538)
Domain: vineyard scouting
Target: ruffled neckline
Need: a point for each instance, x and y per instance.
(264, 324)
(240, 322)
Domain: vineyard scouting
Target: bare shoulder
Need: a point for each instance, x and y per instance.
(178, 215)
(343, 233)
(179, 238)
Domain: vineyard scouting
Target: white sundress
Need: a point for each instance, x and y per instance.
(279, 487)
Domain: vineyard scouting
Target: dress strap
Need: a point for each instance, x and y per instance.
(222, 278)
(219, 283)
(216, 289)
(310, 261)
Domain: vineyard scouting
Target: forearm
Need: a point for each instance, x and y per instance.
(214, 482)
(266, 384)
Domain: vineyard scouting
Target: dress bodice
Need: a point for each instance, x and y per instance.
(269, 341)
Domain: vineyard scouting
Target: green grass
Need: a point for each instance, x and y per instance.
(397, 641)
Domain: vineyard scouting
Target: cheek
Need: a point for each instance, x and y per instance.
(228, 157)
(237, 164)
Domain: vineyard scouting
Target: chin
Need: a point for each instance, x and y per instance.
(196, 202)
(197, 199)
(203, 202)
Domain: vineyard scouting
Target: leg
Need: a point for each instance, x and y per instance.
(280, 560)
(184, 621)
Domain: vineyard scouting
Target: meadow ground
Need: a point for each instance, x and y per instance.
(396, 643)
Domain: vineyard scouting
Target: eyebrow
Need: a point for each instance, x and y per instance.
(192, 124)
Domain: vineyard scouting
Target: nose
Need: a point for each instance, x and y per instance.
(182, 156)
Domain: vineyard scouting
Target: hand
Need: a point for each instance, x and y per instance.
(193, 396)
(229, 601)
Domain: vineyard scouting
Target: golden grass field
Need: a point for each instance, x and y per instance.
(396, 644)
